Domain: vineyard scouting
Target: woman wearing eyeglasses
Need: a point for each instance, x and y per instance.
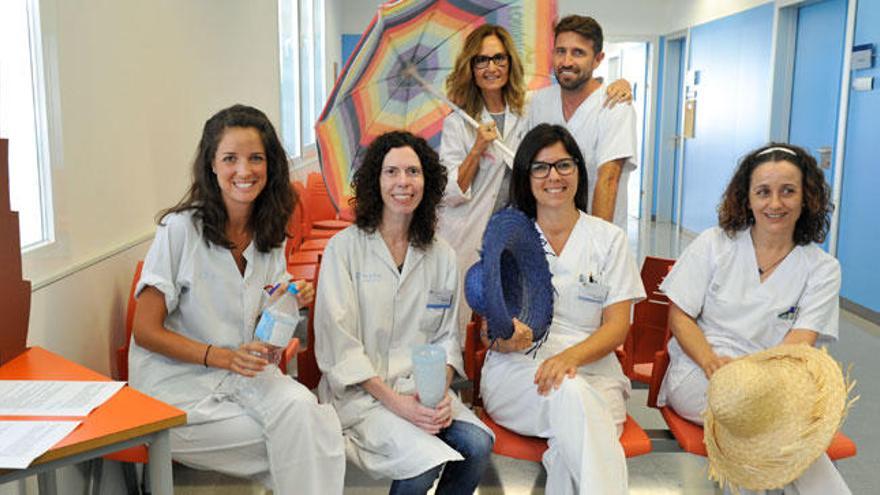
(573, 390)
(488, 83)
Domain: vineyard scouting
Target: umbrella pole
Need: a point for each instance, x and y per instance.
(412, 72)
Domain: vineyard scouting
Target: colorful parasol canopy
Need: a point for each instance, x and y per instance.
(377, 91)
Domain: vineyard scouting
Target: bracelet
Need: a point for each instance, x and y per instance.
(207, 350)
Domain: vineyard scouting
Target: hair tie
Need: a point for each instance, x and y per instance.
(777, 148)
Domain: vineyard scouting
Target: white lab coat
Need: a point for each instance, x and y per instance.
(583, 419)
(716, 282)
(279, 435)
(603, 134)
(368, 318)
(464, 214)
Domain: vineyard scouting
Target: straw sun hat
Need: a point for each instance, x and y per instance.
(771, 414)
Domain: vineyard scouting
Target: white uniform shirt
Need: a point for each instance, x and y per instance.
(594, 270)
(716, 281)
(603, 134)
(368, 318)
(464, 214)
(207, 299)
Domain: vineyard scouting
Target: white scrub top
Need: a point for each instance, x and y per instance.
(603, 134)
(464, 214)
(207, 299)
(594, 270)
(369, 316)
(716, 282)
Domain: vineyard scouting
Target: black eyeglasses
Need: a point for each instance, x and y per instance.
(482, 61)
(541, 170)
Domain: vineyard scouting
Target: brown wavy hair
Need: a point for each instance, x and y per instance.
(735, 215)
(274, 205)
(460, 86)
(367, 201)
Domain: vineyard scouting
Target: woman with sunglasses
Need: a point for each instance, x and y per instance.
(573, 390)
(488, 83)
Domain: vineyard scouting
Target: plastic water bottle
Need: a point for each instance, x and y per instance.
(278, 322)
(429, 368)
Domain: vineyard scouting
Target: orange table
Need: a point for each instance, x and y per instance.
(129, 418)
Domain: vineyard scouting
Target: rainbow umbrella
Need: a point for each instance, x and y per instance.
(392, 79)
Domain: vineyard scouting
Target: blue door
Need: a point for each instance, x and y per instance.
(815, 94)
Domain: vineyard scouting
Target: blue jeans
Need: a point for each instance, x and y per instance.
(459, 477)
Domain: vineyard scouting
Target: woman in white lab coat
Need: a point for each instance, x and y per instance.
(488, 83)
(387, 285)
(573, 391)
(758, 280)
(199, 297)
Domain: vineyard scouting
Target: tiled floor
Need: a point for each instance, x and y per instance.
(655, 473)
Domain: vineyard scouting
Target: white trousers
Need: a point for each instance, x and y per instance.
(269, 428)
(582, 422)
(821, 478)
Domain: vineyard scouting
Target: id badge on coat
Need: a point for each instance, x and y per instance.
(439, 299)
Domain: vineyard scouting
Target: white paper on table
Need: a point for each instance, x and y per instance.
(23, 441)
(53, 398)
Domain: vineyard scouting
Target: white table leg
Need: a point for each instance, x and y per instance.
(161, 482)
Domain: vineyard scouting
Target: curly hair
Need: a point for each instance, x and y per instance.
(540, 137)
(367, 201)
(460, 85)
(271, 209)
(735, 215)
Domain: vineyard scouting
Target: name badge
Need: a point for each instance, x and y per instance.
(439, 299)
(790, 314)
(593, 291)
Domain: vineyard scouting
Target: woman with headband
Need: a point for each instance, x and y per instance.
(757, 280)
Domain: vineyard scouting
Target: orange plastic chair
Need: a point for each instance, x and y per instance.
(507, 443)
(690, 435)
(307, 371)
(320, 205)
(647, 333)
(296, 224)
(304, 258)
(314, 245)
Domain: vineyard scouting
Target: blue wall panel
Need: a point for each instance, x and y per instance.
(859, 246)
(732, 55)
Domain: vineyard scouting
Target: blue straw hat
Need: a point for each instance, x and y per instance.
(512, 278)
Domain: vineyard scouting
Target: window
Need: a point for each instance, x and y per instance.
(302, 71)
(23, 119)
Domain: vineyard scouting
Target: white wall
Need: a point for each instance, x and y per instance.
(685, 13)
(136, 81)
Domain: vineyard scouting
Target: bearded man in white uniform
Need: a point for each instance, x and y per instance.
(605, 136)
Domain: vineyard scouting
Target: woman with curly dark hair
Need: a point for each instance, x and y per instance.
(756, 281)
(387, 285)
(199, 297)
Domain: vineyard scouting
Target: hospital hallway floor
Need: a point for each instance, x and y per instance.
(657, 473)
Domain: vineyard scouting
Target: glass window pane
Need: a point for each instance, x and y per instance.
(289, 49)
(18, 121)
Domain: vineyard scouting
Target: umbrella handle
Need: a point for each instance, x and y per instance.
(470, 120)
